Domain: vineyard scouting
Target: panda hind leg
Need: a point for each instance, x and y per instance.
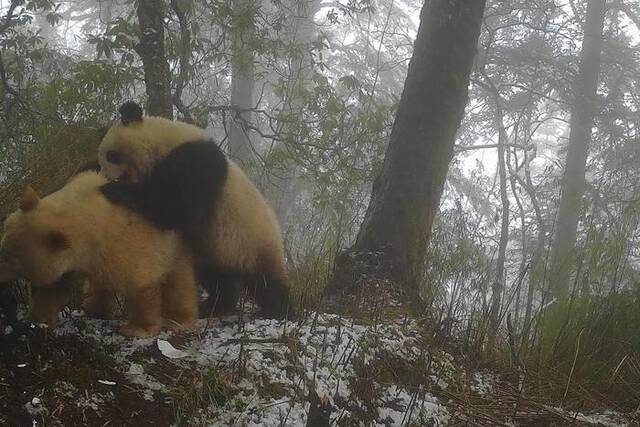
(224, 291)
(273, 296)
(180, 298)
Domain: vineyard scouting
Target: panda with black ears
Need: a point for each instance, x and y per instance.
(175, 176)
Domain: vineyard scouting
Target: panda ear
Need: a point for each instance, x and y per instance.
(58, 241)
(29, 199)
(130, 112)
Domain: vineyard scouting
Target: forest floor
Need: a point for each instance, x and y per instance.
(254, 372)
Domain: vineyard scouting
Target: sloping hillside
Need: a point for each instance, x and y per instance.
(323, 370)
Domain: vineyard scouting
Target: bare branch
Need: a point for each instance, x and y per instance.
(460, 149)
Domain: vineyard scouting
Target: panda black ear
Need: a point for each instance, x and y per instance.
(130, 112)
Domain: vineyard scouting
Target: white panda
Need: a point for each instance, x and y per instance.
(76, 229)
(179, 179)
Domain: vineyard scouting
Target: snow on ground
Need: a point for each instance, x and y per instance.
(279, 362)
(260, 372)
(605, 419)
(483, 383)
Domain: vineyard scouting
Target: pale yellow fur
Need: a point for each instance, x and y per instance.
(245, 235)
(143, 145)
(119, 251)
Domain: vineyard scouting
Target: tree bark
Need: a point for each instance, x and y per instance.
(583, 111)
(182, 10)
(392, 240)
(242, 84)
(157, 75)
(498, 282)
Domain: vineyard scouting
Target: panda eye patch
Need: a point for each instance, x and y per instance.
(114, 157)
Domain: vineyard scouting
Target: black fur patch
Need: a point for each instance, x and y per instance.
(9, 302)
(272, 296)
(180, 192)
(130, 112)
(224, 288)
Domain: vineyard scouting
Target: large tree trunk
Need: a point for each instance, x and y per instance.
(391, 244)
(582, 113)
(242, 84)
(157, 75)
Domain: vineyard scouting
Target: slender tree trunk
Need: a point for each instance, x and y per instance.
(536, 275)
(242, 83)
(105, 14)
(182, 10)
(285, 181)
(498, 282)
(157, 75)
(392, 241)
(523, 227)
(582, 114)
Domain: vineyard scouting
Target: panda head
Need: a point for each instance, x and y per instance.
(135, 143)
(36, 243)
(123, 149)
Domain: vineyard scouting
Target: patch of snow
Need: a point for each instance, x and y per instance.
(107, 382)
(38, 410)
(401, 408)
(136, 375)
(483, 382)
(604, 419)
(93, 402)
(278, 363)
(148, 395)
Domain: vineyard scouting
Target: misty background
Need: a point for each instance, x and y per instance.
(533, 257)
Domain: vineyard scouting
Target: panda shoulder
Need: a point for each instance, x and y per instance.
(85, 183)
(87, 179)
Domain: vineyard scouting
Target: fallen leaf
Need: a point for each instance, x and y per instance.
(169, 350)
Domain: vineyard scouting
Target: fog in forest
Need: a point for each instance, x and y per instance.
(457, 185)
